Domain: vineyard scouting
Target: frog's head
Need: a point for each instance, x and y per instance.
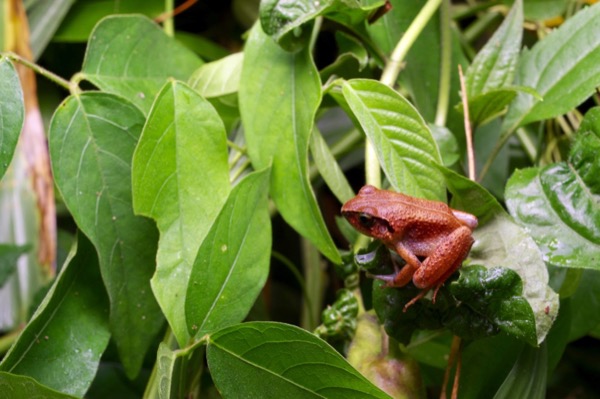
(367, 213)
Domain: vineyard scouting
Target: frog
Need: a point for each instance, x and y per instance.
(432, 238)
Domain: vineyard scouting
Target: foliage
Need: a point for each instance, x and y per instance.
(175, 155)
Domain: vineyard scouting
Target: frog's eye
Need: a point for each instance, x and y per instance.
(366, 220)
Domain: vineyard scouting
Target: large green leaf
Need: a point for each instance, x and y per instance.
(61, 345)
(286, 21)
(131, 56)
(233, 261)
(273, 360)
(564, 68)
(558, 204)
(12, 111)
(405, 147)
(499, 241)
(180, 179)
(279, 96)
(92, 139)
(9, 254)
(18, 386)
(494, 66)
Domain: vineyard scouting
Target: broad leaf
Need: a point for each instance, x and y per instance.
(9, 254)
(278, 360)
(404, 145)
(218, 78)
(351, 61)
(233, 260)
(61, 346)
(499, 241)
(564, 68)
(92, 139)
(12, 111)
(131, 56)
(279, 95)
(494, 66)
(495, 294)
(527, 379)
(18, 386)
(329, 168)
(287, 21)
(558, 204)
(180, 179)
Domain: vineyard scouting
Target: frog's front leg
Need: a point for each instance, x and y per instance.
(404, 275)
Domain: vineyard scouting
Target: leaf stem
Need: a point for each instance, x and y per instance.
(445, 60)
(42, 71)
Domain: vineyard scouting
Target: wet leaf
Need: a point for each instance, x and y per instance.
(527, 379)
(18, 386)
(288, 22)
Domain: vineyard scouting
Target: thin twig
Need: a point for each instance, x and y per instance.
(453, 358)
(468, 130)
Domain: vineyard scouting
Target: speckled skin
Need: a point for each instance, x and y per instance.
(414, 227)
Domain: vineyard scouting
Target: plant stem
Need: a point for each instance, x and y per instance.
(495, 151)
(41, 71)
(313, 277)
(394, 64)
(445, 60)
(467, 122)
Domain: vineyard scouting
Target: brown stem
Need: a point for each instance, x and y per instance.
(467, 121)
(454, 358)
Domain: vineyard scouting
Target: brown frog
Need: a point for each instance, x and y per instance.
(414, 228)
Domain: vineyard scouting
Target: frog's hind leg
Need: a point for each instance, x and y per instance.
(440, 265)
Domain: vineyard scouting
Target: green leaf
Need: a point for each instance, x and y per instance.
(494, 66)
(17, 387)
(492, 103)
(499, 241)
(329, 168)
(218, 78)
(92, 138)
(286, 21)
(12, 111)
(9, 255)
(564, 68)
(278, 360)
(541, 10)
(584, 151)
(232, 264)
(84, 15)
(279, 95)
(405, 147)
(527, 379)
(496, 294)
(180, 179)
(131, 56)
(558, 210)
(61, 346)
